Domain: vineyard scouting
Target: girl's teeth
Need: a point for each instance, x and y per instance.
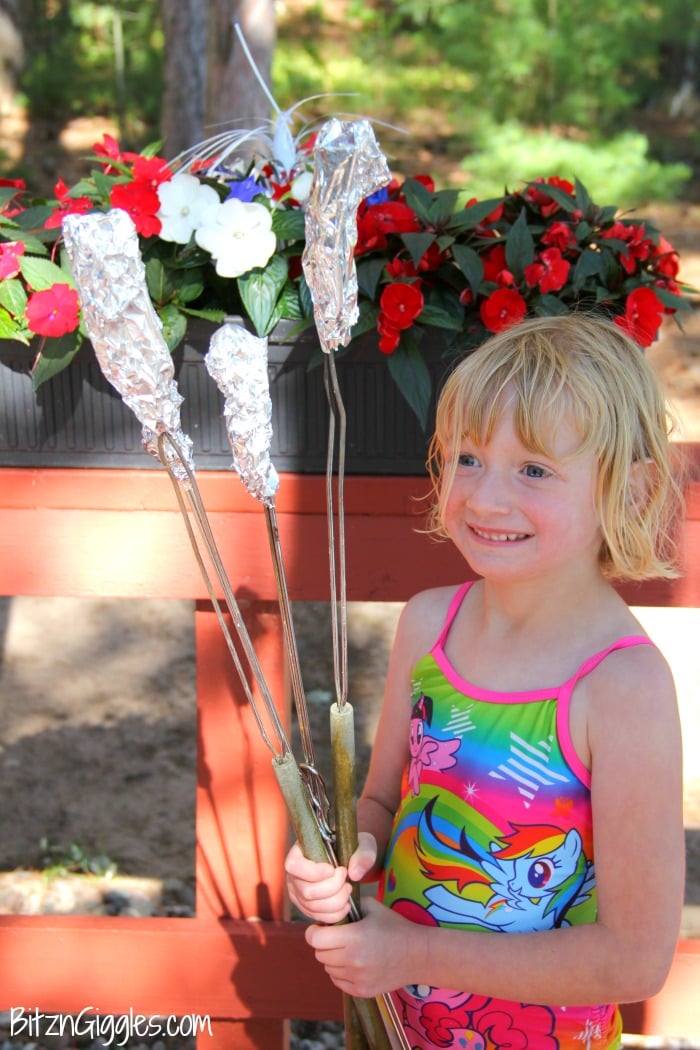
(501, 537)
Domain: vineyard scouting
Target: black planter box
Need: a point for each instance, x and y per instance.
(76, 419)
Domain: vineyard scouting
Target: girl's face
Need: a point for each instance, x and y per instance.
(518, 515)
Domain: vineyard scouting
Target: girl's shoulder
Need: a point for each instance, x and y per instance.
(424, 616)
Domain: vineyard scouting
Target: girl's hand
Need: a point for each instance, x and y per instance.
(321, 891)
(369, 957)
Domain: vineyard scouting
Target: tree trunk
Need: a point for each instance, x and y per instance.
(233, 91)
(11, 51)
(184, 74)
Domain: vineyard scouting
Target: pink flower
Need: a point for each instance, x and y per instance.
(10, 254)
(54, 311)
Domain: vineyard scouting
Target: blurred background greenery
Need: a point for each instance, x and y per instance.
(487, 92)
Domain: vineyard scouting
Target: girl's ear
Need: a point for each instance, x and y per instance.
(640, 481)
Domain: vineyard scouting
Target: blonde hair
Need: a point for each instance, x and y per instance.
(585, 370)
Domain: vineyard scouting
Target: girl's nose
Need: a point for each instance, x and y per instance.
(491, 493)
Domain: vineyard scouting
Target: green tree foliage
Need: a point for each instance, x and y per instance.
(542, 62)
(94, 57)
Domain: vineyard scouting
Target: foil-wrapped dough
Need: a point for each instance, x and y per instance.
(349, 166)
(123, 326)
(237, 362)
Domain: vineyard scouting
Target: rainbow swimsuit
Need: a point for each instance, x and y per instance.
(493, 833)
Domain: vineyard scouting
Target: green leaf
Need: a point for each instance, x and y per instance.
(161, 287)
(41, 274)
(470, 217)
(214, 315)
(12, 328)
(56, 354)
(563, 199)
(369, 272)
(418, 198)
(590, 264)
(409, 371)
(289, 304)
(550, 306)
(190, 286)
(307, 304)
(418, 244)
(582, 196)
(288, 225)
(367, 321)
(434, 315)
(470, 264)
(520, 247)
(13, 296)
(174, 326)
(260, 290)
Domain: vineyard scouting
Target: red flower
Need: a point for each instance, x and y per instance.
(665, 258)
(642, 317)
(425, 180)
(152, 171)
(67, 205)
(560, 235)
(400, 304)
(388, 337)
(18, 184)
(9, 259)
(495, 266)
(503, 308)
(54, 311)
(639, 245)
(549, 272)
(377, 221)
(141, 202)
(432, 258)
(399, 268)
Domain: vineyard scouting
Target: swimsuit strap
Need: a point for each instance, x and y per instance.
(564, 701)
(592, 662)
(452, 611)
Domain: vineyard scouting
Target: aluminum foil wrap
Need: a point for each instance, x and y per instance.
(349, 166)
(123, 326)
(237, 362)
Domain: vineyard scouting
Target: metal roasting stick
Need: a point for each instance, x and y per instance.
(348, 167)
(237, 361)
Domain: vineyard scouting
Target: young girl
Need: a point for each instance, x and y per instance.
(526, 775)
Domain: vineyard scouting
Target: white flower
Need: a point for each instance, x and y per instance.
(183, 202)
(301, 186)
(238, 236)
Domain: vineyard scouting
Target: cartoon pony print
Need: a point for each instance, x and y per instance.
(426, 752)
(526, 881)
(443, 1018)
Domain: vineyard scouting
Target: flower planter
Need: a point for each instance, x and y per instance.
(77, 420)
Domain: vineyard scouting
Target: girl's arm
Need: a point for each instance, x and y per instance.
(634, 737)
(320, 891)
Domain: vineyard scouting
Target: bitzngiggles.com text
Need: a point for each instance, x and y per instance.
(111, 1030)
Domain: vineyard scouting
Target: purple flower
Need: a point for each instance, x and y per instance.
(244, 189)
(379, 197)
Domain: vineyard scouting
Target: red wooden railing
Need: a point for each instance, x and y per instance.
(118, 533)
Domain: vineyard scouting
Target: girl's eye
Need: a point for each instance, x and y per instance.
(466, 459)
(533, 470)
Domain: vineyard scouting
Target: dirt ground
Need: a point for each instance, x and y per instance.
(97, 717)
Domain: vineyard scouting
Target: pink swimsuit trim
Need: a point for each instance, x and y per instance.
(562, 693)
